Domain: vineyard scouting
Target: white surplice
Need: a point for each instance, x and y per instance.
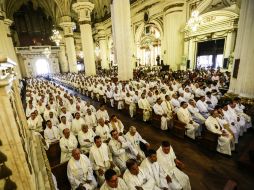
(67, 145)
(167, 162)
(80, 171)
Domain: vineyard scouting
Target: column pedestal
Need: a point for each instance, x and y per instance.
(84, 9)
(173, 24)
(70, 46)
(121, 25)
(242, 82)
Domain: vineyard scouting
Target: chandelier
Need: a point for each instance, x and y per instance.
(56, 37)
(194, 21)
(47, 52)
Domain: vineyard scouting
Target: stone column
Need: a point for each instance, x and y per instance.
(174, 22)
(243, 83)
(10, 47)
(84, 9)
(63, 60)
(103, 46)
(121, 25)
(70, 46)
(230, 42)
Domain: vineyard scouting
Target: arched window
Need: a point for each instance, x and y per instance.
(42, 67)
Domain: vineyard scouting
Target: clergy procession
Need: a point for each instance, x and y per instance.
(103, 153)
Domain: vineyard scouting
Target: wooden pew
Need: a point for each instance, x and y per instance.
(209, 140)
(60, 172)
(139, 113)
(126, 109)
(178, 127)
(54, 154)
(156, 120)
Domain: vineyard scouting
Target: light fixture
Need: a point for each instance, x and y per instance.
(194, 21)
(56, 37)
(47, 52)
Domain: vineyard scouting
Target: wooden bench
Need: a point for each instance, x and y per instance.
(156, 120)
(60, 172)
(54, 154)
(139, 113)
(126, 109)
(178, 127)
(209, 140)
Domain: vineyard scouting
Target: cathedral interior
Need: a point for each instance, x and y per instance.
(173, 71)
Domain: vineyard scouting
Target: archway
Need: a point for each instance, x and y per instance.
(42, 66)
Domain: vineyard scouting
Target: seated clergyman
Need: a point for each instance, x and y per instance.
(113, 181)
(168, 161)
(101, 159)
(80, 172)
(67, 143)
(51, 133)
(152, 167)
(136, 178)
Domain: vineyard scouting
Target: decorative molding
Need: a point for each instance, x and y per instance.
(85, 22)
(147, 7)
(68, 36)
(173, 6)
(173, 12)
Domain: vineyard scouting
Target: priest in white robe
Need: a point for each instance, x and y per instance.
(118, 146)
(158, 110)
(51, 133)
(135, 138)
(67, 143)
(132, 106)
(167, 107)
(113, 182)
(168, 162)
(203, 107)
(76, 124)
(86, 138)
(63, 125)
(90, 119)
(152, 167)
(136, 178)
(66, 114)
(102, 130)
(145, 106)
(102, 113)
(192, 128)
(116, 124)
(101, 159)
(224, 138)
(197, 117)
(33, 123)
(80, 172)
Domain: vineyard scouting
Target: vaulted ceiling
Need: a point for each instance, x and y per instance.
(54, 8)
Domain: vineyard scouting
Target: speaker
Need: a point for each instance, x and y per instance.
(188, 64)
(225, 63)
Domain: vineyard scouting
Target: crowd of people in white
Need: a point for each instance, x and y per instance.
(104, 146)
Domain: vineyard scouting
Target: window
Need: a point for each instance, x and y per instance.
(42, 67)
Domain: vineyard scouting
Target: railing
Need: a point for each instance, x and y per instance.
(36, 49)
